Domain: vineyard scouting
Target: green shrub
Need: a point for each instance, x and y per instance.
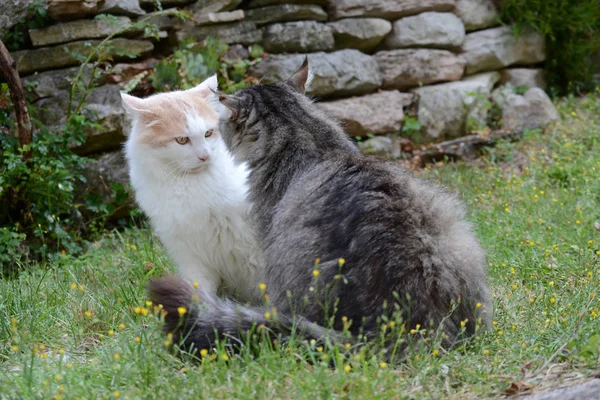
(37, 193)
(42, 211)
(572, 30)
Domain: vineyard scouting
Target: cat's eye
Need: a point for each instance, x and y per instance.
(208, 133)
(182, 139)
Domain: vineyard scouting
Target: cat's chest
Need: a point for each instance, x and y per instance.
(193, 207)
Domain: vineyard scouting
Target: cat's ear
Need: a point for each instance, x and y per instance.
(134, 105)
(206, 88)
(301, 79)
(231, 103)
(138, 109)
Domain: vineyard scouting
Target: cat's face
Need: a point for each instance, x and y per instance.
(177, 129)
(250, 117)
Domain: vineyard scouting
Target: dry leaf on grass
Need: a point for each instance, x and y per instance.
(518, 387)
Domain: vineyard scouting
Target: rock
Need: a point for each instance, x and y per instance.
(162, 22)
(388, 9)
(464, 148)
(408, 68)
(362, 34)
(47, 84)
(297, 37)
(587, 390)
(206, 6)
(218, 18)
(456, 108)
(378, 146)
(532, 110)
(262, 3)
(62, 10)
(528, 77)
(236, 53)
(102, 174)
(13, 11)
(430, 29)
(166, 3)
(497, 48)
(45, 58)
(341, 73)
(123, 73)
(243, 32)
(104, 107)
(477, 14)
(122, 7)
(376, 113)
(77, 30)
(285, 13)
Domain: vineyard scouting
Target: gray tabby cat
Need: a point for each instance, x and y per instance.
(404, 241)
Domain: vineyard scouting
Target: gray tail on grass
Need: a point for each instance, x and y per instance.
(208, 318)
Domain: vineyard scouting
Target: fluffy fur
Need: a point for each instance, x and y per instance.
(405, 241)
(193, 193)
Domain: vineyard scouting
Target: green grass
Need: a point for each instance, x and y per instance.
(70, 329)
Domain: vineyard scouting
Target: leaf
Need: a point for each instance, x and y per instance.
(518, 387)
(484, 133)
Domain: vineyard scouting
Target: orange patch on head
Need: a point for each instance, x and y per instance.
(165, 116)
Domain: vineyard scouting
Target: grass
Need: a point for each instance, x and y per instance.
(81, 328)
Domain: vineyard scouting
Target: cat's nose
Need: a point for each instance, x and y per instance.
(203, 158)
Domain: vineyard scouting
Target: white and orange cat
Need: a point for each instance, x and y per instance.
(186, 182)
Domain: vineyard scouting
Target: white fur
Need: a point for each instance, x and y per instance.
(198, 209)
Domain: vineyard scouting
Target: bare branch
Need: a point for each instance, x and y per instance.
(8, 68)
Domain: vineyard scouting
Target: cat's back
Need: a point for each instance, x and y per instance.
(395, 231)
(358, 208)
(346, 185)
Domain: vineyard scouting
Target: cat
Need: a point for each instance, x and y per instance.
(186, 182)
(382, 236)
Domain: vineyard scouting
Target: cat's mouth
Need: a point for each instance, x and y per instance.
(197, 168)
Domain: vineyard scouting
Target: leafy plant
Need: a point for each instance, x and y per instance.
(193, 62)
(18, 38)
(38, 193)
(411, 128)
(41, 208)
(572, 31)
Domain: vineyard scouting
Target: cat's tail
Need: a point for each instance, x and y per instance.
(197, 320)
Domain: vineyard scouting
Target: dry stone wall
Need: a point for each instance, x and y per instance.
(371, 60)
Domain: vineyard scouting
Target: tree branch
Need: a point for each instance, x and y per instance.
(8, 68)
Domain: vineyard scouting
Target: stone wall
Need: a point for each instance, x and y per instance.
(371, 60)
